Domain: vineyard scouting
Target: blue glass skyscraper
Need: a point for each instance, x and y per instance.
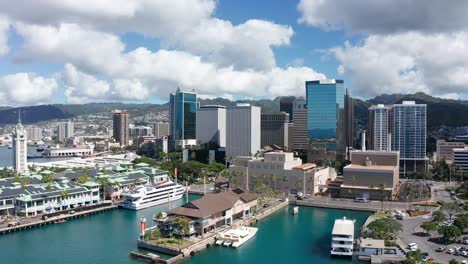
(182, 115)
(326, 119)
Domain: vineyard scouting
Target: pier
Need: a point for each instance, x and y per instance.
(60, 216)
(208, 240)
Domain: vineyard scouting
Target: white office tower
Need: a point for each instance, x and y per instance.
(20, 150)
(65, 130)
(409, 135)
(34, 133)
(380, 118)
(211, 125)
(242, 130)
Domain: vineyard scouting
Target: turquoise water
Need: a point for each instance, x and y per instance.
(286, 238)
(108, 238)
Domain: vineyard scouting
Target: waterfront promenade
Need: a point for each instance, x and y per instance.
(347, 204)
(31, 222)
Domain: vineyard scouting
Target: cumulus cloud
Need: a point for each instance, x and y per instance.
(408, 62)
(97, 52)
(26, 88)
(385, 16)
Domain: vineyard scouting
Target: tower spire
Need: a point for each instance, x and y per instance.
(19, 116)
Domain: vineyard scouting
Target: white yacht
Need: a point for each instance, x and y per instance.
(342, 237)
(151, 195)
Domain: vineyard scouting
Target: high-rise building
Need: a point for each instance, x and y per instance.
(275, 130)
(65, 130)
(140, 131)
(460, 160)
(34, 133)
(121, 122)
(300, 139)
(326, 120)
(379, 127)
(409, 135)
(242, 130)
(20, 149)
(287, 106)
(211, 125)
(160, 130)
(349, 122)
(183, 118)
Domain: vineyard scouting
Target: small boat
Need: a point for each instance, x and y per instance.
(60, 221)
(295, 210)
(40, 148)
(10, 146)
(227, 243)
(219, 242)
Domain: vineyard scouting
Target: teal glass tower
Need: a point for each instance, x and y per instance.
(326, 120)
(182, 115)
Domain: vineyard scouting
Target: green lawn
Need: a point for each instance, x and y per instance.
(172, 242)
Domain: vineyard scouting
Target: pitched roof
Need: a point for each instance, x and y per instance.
(211, 204)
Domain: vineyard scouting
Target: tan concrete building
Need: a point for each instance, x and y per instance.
(445, 149)
(281, 172)
(371, 174)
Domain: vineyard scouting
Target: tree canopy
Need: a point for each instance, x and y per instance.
(451, 209)
(384, 228)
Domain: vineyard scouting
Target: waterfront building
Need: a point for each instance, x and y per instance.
(183, 118)
(379, 127)
(211, 125)
(161, 130)
(287, 106)
(300, 139)
(460, 160)
(409, 136)
(282, 172)
(65, 130)
(342, 237)
(242, 130)
(34, 133)
(349, 122)
(445, 149)
(121, 122)
(371, 175)
(20, 148)
(275, 130)
(326, 124)
(213, 210)
(67, 152)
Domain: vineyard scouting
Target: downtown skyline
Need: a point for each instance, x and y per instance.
(140, 51)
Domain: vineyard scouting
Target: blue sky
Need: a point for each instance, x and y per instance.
(141, 50)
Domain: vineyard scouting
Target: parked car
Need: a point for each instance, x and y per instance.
(450, 251)
(464, 262)
(360, 200)
(425, 256)
(266, 205)
(440, 249)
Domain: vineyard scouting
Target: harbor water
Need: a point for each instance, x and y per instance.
(110, 236)
(6, 156)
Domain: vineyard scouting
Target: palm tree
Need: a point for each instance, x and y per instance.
(285, 179)
(382, 193)
(273, 181)
(63, 196)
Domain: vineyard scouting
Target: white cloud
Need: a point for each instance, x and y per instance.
(4, 28)
(149, 17)
(80, 87)
(97, 52)
(385, 16)
(436, 64)
(26, 88)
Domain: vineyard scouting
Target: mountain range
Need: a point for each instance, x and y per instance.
(440, 112)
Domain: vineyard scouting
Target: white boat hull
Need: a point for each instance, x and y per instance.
(150, 204)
